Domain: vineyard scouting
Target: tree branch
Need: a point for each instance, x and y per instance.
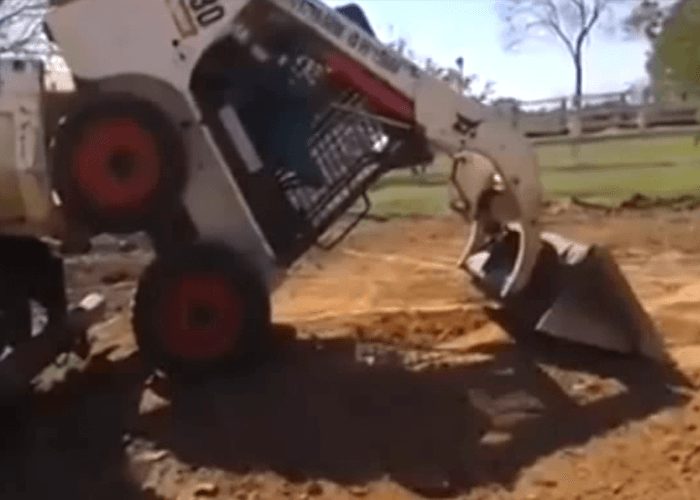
(588, 25)
(559, 32)
(20, 9)
(571, 22)
(21, 27)
(581, 5)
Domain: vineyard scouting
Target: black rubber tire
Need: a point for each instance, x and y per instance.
(157, 286)
(83, 204)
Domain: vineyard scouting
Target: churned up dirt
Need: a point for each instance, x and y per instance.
(389, 381)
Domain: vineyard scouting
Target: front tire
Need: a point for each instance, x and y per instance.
(201, 309)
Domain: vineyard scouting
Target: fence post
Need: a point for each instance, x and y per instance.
(573, 120)
(642, 117)
(563, 113)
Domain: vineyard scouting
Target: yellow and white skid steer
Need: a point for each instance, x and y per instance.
(238, 134)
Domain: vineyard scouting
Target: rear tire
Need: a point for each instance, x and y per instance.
(118, 164)
(200, 310)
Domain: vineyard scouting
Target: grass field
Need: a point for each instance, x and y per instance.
(604, 172)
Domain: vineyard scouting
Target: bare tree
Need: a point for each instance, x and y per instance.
(570, 22)
(21, 28)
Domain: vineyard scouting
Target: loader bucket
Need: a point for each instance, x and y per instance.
(577, 293)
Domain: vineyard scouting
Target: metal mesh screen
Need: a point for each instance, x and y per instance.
(344, 144)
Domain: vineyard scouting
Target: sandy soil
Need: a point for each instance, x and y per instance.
(389, 381)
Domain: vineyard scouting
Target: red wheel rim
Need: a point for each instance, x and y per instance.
(201, 317)
(117, 165)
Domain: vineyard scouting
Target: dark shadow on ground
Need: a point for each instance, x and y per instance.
(315, 412)
(69, 442)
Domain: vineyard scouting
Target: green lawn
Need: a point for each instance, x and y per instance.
(620, 183)
(620, 152)
(604, 172)
(402, 200)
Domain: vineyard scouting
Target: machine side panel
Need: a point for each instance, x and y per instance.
(162, 38)
(217, 214)
(144, 48)
(25, 190)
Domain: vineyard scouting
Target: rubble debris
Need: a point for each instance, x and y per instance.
(358, 491)
(90, 310)
(126, 246)
(205, 490)
(377, 354)
(115, 277)
(151, 455)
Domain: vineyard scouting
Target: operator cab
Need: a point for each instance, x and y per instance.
(303, 146)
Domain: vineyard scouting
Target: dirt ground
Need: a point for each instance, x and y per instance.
(389, 381)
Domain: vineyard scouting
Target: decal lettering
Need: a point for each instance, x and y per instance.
(332, 23)
(465, 126)
(207, 12)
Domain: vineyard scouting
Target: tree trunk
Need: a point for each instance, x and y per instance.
(578, 89)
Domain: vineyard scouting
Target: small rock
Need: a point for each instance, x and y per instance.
(115, 277)
(205, 489)
(358, 491)
(592, 387)
(431, 485)
(151, 402)
(91, 310)
(546, 482)
(495, 438)
(617, 489)
(151, 455)
(126, 246)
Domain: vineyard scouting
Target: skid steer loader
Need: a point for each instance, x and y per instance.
(238, 134)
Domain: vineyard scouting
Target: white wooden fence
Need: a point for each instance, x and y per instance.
(597, 114)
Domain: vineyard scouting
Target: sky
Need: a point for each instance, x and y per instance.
(447, 29)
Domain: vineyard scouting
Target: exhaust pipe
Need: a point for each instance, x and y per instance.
(577, 293)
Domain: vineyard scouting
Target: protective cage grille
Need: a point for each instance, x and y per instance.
(346, 144)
